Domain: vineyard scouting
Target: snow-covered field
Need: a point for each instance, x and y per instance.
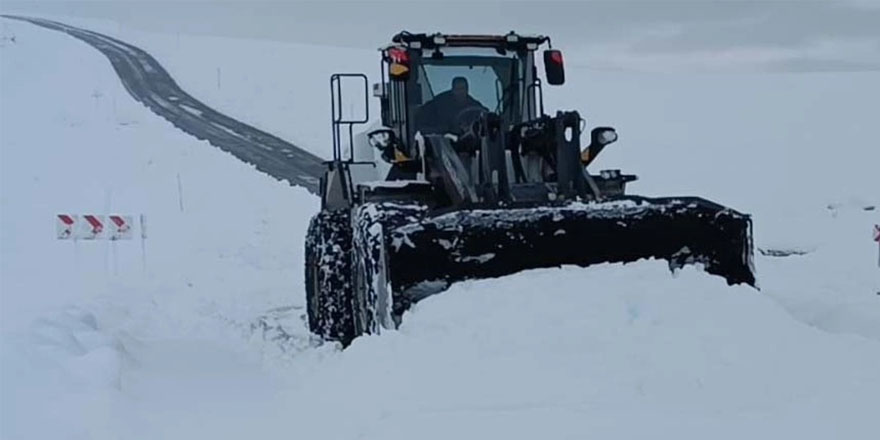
(203, 338)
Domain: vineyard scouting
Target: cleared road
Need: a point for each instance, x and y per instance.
(148, 82)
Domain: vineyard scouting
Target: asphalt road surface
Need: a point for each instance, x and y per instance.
(148, 82)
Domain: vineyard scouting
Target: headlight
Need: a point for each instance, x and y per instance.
(608, 136)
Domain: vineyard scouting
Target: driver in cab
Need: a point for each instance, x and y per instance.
(445, 112)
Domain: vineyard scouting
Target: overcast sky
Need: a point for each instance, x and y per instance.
(793, 35)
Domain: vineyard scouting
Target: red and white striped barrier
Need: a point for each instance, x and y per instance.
(91, 228)
(121, 227)
(64, 225)
(94, 227)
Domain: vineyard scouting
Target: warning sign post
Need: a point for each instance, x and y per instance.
(95, 227)
(121, 227)
(64, 226)
(91, 227)
(877, 239)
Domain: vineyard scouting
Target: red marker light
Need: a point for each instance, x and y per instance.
(398, 56)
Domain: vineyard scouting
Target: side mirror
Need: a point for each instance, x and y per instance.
(553, 67)
(398, 64)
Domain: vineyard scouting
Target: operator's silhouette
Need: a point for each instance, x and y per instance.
(449, 111)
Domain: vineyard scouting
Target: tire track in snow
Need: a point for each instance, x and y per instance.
(150, 84)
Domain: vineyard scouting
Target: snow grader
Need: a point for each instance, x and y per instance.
(475, 180)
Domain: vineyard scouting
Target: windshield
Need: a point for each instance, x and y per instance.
(483, 82)
(488, 77)
(454, 89)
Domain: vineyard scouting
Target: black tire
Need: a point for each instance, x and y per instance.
(328, 276)
(365, 268)
(374, 306)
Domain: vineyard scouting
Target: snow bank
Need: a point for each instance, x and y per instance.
(610, 352)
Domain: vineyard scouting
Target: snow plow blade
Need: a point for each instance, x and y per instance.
(426, 255)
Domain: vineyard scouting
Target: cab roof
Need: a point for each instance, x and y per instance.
(509, 41)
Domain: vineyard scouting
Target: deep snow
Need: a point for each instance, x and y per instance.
(208, 341)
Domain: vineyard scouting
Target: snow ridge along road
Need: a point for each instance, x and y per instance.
(149, 83)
